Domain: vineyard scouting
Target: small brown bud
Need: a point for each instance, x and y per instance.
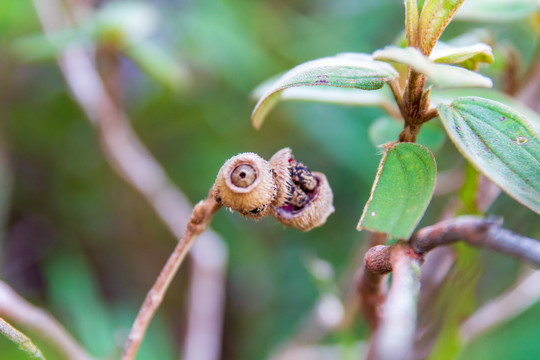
(246, 183)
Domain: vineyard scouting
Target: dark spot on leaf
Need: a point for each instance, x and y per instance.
(321, 82)
(502, 118)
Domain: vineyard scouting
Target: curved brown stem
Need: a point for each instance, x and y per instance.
(480, 232)
(202, 214)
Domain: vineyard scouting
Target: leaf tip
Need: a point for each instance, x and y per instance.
(256, 121)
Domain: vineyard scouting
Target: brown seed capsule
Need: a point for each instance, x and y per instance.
(309, 200)
(281, 163)
(246, 183)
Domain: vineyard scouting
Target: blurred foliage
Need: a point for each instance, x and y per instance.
(81, 243)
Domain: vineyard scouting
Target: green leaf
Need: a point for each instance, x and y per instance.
(447, 96)
(445, 76)
(435, 16)
(499, 142)
(497, 11)
(358, 71)
(159, 64)
(328, 94)
(385, 129)
(411, 22)
(467, 56)
(402, 190)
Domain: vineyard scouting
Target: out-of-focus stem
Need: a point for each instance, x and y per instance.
(208, 279)
(16, 309)
(394, 336)
(132, 161)
(505, 307)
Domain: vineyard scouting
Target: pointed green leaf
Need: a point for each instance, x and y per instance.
(447, 96)
(444, 76)
(448, 76)
(329, 95)
(358, 71)
(411, 22)
(499, 142)
(402, 190)
(435, 16)
(467, 56)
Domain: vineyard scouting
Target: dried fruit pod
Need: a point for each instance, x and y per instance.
(309, 202)
(246, 183)
(281, 164)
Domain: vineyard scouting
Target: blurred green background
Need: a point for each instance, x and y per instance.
(80, 242)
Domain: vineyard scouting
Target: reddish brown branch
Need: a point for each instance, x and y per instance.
(202, 214)
(369, 282)
(380, 260)
(479, 232)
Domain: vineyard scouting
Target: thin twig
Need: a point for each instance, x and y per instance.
(505, 307)
(479, 232)
(23, 341)
(16, 309)
(134, 163)
(202, 214)
(394, 336)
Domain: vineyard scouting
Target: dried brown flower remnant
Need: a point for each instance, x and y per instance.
(280, 163)
(250, 185)
(246, 183)
(309, 198)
